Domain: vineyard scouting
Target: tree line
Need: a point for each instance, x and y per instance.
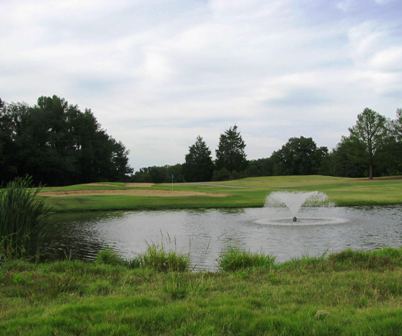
(56, 143)
(373, 147)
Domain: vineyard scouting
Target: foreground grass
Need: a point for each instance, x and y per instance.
(351, 293)
(248, 192)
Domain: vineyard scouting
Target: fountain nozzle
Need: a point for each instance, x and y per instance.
(294, 219)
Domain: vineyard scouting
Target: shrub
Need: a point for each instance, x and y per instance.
(235, 259)
(22, 216)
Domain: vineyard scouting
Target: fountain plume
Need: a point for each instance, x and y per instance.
(295, 200)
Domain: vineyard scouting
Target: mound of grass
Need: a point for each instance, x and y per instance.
(376, 259)
(235, 259)
(159, 259)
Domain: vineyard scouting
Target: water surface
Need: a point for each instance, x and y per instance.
(206, 234)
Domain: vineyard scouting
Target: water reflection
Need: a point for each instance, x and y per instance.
(205, 234)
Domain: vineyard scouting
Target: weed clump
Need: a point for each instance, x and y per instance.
(235, 260)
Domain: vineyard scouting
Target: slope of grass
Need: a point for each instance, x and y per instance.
(351, 293)
(247, 192)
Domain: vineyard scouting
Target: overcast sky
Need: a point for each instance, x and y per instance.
(157, 73)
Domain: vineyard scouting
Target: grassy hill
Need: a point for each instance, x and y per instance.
(247, 192)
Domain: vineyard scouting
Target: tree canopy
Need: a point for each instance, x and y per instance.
(57, 143)
(371, 131)
(299, 156)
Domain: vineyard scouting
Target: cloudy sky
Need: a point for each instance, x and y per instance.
(157, 73)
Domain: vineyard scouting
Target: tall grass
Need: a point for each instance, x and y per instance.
(234, 260)
(159, 259)
(22, 215)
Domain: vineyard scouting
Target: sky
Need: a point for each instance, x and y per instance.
(157, 73)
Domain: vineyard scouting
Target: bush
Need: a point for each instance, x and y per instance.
(22, 216)
(235, 259)
(158, 259)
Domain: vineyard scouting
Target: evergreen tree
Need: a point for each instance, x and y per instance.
(230, 153)
(198, 165)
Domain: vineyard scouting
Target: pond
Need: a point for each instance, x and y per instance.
(206, 234)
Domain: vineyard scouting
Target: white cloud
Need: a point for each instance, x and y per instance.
(158, 73)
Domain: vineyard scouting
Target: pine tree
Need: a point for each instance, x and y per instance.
(198, 165)
(230, 153)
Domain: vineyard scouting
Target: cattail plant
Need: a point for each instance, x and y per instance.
(22, 216)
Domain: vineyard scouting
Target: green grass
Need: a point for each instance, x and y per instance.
(235, 259)
(247, 192)
(350, 293)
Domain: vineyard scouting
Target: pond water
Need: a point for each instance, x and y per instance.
(206, 234)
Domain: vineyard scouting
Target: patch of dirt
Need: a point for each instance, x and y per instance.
(132, 192)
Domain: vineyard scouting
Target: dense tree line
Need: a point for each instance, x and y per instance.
(57, 143)
(373, 147)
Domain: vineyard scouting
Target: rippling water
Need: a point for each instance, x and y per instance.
(205, 234)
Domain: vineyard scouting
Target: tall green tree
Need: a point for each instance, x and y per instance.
(299, 156)
(56, 143)
(397, 125)
(230, 153)
(198, 166)
(371, 131)
(348, 158)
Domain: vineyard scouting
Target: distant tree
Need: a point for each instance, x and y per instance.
(56, 143)
(198, 164)
(348, 158)
(389, 156)
(259, 167)
(371, 131)
(230, 153)
(397, 126)
(161, 174)
(299, 156)
(222, 174)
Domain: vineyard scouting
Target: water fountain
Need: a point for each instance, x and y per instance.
(293, 202)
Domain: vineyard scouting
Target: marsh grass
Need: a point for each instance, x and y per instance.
(158, 258)
(22, 216)
(235, 259)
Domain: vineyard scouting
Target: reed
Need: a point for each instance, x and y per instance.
(22, 216)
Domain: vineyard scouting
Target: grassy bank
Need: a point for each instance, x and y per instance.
(248, 192)
(350, 293)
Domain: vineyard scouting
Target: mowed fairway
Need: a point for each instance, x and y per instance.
(247, 192)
